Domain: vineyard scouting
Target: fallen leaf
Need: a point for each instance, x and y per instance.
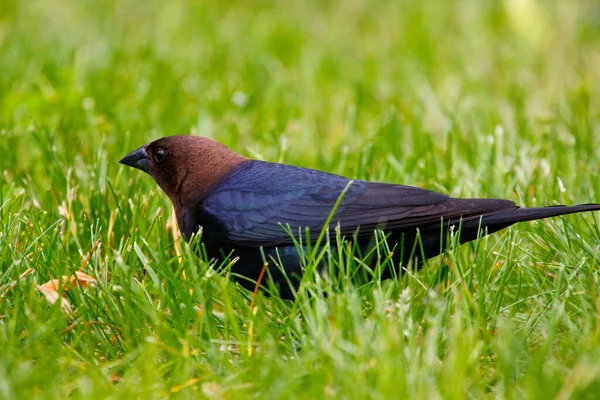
(51, 289)
(50, 292)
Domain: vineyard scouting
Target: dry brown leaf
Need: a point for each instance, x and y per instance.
(51, 294)
(51, 289)
(84, 279)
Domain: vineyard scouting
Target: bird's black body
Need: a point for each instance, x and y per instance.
(247, 209)
(243, 205)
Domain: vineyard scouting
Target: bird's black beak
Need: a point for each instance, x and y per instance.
(137, 159)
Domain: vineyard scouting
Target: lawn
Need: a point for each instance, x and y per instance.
(471, 98)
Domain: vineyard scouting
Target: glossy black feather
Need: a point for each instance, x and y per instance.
(257, 198)
(244, 214)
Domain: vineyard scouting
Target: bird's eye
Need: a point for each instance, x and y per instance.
(159, 154)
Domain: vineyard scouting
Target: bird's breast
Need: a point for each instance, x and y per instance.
(196, 219)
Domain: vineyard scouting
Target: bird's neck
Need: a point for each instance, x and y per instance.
(199, 180)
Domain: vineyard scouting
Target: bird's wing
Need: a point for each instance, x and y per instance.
(258, 199)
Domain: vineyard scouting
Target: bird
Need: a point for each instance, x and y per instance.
(250, 210)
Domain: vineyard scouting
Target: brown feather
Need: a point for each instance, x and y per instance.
(192, 166)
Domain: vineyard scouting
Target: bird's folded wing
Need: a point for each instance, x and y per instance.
(254, 208)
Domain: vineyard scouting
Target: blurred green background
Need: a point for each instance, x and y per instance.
(472, 98)
(421, 81)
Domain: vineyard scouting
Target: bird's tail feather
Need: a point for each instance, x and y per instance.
(529, 214)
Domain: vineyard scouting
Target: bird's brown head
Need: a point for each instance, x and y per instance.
(185, 167)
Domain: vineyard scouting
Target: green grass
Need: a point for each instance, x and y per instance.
(491, 99)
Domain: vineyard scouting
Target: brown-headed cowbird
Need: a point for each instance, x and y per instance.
(243, 205)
